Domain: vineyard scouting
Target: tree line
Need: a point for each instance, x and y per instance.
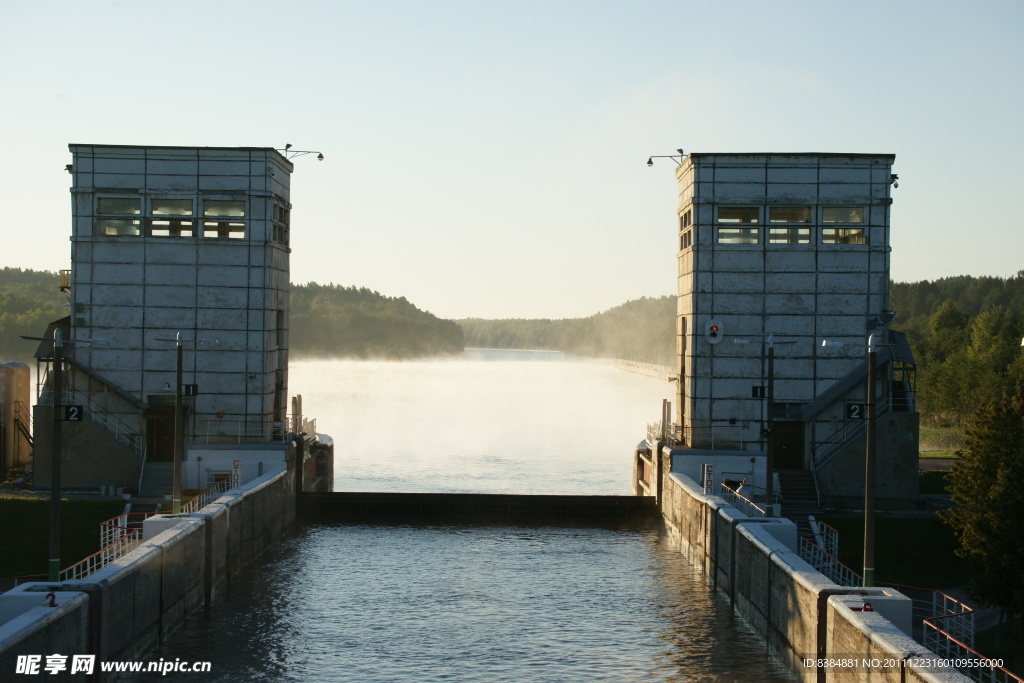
(642, 329)
(965, 333)
(326, 320)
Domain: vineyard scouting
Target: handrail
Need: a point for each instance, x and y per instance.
(118, 548)
(741, 502)
(204, 497)
(122, 432)
(849, 430)
(827, 563)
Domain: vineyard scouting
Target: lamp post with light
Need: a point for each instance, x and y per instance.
(869, 460)
(74, 414)
(178, 437)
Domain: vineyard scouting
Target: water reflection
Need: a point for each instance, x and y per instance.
(366, 603)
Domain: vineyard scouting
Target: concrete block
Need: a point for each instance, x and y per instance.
(116, 295)
(172, 167)
(221, 254)
(178, 184)
(805, 175)
(182, 252)
(236, 183)
(736, 260)
(225, 297)
(857, 175)
(792, 303)
(235, 166)
(220, 275)
(843, 283)
(118, 166)
(126, 250)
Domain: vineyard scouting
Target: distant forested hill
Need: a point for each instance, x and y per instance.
(642, 330)
(29, 301)
(331, 320)
(326, 320)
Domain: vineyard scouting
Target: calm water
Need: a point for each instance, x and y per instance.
(454, 603)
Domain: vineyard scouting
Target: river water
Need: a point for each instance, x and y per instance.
(481, 604)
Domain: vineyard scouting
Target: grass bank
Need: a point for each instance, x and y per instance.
(25, 534)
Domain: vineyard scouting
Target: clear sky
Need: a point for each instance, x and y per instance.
(487, 158)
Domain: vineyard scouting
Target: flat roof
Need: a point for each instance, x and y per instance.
(234, 149)
(845, 155)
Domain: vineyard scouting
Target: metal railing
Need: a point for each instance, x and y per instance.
(742, 503)
(122, 432)
(850, 430)
(947, 623)
(811, 549)
(205, 497)
(255, 431)
(120, 547)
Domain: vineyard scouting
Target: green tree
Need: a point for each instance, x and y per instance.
(988, 517)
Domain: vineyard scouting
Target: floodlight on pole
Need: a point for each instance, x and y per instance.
(290, 153)
(178, 436)
(678, 158)
(869, 456)
(53, 572)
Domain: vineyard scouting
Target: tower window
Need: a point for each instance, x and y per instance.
(223, 207)
(686, 240)
(737, 235)
(843, 236)
(789, 235)
(739, 214)
(118, 227)
(842, 214)
(789, 214)
(223, 230)
(171, 207)
(119, 205)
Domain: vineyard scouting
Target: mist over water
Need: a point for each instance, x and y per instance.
(371, 603)
(487, 421)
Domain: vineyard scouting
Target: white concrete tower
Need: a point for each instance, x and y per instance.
(192, 240)
(795, 247)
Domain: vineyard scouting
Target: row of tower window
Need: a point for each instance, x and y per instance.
(731, 218)
(176, 218)
(744, 235)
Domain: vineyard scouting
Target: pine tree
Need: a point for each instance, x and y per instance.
(988, 489)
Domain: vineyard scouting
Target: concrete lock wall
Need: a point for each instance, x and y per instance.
(801, 613)
(41, 630)
(122, 611)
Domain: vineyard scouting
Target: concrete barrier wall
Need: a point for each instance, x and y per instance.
(40, 630)
(800, 613)
(129, 605)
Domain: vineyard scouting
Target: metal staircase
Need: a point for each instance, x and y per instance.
(799, 494)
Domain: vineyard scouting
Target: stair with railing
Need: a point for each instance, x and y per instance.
(23, 421)
(847, 433)
(799, 495)
(97, 415)
(157, 479)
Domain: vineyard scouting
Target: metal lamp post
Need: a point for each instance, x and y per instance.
(53, 571)
(178, 436)
(869, 461)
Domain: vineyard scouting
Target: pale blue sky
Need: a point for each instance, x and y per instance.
(488, 158)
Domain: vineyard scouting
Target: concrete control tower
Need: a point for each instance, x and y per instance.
(791, 250)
